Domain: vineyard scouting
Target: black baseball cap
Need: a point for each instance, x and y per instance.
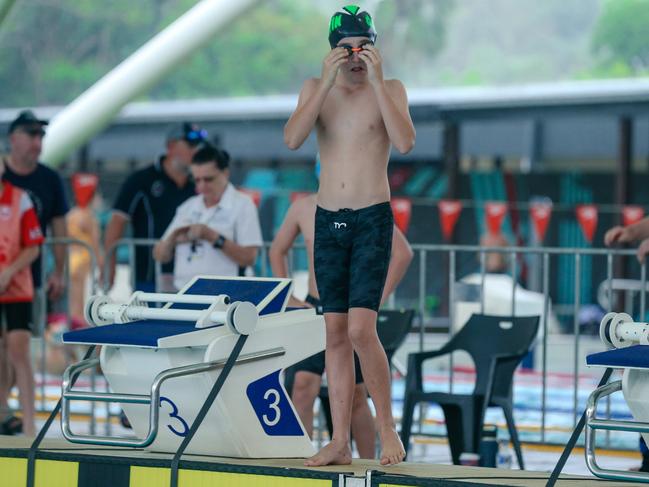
(190, 132)
(26, 118)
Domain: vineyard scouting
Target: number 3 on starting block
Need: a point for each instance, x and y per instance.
(272, 407)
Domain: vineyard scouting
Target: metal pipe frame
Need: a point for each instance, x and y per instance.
(153, 399)
(593, 424)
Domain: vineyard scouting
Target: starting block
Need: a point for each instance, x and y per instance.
(629, 350)
(161, 364)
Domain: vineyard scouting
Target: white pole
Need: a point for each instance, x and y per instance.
(177, 298)
(112, 311)
(5, 7)
(96, 107)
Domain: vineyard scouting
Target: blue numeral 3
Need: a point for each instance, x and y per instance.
(174, 415)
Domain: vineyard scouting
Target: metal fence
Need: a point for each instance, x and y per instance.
(436, 271)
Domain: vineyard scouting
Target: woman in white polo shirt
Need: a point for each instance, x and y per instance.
(217, 231)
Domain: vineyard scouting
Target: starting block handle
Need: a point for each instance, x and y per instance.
(241, 316)
(179, 298)
(153, 399)
(618, 330)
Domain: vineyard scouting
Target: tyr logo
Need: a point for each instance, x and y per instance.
(340, 225)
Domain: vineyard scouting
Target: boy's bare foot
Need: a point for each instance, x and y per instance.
(392, 451)
(334, 453)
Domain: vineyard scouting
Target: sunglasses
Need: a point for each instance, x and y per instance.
(195, 137)
(351, 49)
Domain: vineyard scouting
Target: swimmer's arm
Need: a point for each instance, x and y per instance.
(393, 103)
(283, 242)
(399, 261)
(312, 97)
(628, 234)
(303, 119)
(114, 231)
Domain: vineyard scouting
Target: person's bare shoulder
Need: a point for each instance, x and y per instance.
(395, 86)
(309, 85)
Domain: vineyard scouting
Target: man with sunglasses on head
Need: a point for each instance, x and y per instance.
(216, 232)
(148, 200)
(45, 188)
(358, 116)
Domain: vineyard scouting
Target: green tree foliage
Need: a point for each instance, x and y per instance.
(413, 31)
(53, 50)
(271, 49)
(50, 51)
(620, 38)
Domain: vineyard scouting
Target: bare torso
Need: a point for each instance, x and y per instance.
(354, 149)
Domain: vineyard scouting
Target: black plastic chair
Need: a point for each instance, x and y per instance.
(392, 327)
(497, 344)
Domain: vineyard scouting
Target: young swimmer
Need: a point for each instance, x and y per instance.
(357, 116)
(300, 219)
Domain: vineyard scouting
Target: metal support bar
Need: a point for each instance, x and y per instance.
(227, 368)
(574, 437)
(33, 449)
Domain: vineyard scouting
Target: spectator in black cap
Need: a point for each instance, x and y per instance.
(148, 200)
(44, 186)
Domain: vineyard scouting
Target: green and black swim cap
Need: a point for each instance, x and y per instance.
(350, 23)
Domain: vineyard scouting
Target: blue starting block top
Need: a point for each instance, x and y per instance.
(634, 357)
(143, 333)
(268, 295)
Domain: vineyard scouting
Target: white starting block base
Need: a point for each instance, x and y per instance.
(252, 416)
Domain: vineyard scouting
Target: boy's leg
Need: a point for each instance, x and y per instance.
(363, 431)
(6, 377)
(6, 369)
(368, 269)
(376, 372)
(340, 378)
(19, 357)
(306, 387)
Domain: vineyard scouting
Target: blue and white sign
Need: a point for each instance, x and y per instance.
(272, 407)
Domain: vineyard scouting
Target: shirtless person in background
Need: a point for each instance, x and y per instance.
(299, 219)
(358, 116)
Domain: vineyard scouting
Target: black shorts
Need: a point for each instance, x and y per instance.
(316, 363)
(17, 316)
(351, 256)
(315, 302)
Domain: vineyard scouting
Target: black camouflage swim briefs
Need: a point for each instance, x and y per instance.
(351, 256)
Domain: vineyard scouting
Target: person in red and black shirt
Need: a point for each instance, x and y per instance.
(20, 238)
(148, 200)
(45, 188)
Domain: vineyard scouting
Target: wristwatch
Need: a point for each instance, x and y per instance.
(219, 242)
